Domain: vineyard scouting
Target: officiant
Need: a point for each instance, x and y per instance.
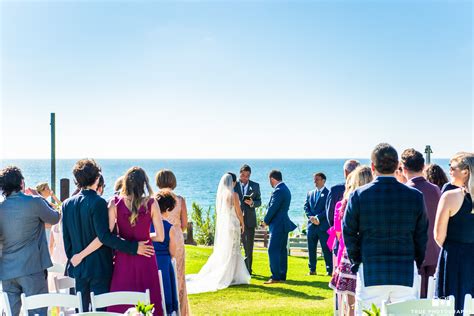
(249, 196)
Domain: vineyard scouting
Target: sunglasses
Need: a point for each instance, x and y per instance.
(452, 168)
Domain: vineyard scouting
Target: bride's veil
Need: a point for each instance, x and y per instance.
(224, 211)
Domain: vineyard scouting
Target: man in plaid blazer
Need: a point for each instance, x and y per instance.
(385, 232)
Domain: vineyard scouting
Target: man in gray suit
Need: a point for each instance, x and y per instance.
(249, 196)
(25, 256)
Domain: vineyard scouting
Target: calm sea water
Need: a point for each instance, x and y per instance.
(198, 179)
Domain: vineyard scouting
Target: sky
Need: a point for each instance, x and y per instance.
(235, 79)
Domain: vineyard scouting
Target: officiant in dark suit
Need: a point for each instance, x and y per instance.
(249, 195)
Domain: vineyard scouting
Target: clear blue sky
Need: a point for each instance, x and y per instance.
(240, 79)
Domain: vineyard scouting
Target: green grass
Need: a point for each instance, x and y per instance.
(300, 295)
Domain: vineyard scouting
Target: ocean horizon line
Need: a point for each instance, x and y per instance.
(197, 159)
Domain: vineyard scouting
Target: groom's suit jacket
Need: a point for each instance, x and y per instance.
(250, 217)
(277, 215)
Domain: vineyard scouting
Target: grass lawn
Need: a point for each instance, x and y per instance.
(300, 295)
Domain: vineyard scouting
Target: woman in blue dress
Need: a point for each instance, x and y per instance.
(165, 250)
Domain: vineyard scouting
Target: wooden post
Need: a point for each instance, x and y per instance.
(64, 189)
(428, 153)
(189, 235)
(53, 152)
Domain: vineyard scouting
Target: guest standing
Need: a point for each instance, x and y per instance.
(455, 234)
(315, 210)
(166, 250)
(85, 219)
(435, 174)
(24, 255)
(385, 233)
(413, 164)
(45, 192)
(343, 280)
(249, 197)
(165, 179)
(132, 213)
(336, 192)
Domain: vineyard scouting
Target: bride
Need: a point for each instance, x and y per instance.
(226, 265)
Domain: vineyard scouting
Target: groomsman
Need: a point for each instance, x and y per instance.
(280, 225)
(315, 210)
(249, 195)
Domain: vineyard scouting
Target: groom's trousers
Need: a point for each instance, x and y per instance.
(278, 255)
(248, 240)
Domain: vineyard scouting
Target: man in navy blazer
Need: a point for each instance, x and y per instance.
(385, 233)
(315, 210)
(85, 217)
(280, 225)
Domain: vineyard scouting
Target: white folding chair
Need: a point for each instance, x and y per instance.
(119, 298)
(64, 283)
(173, 262)
(50, 300)
(431, 287)
(163, 301)
(57, 268)
(5, 304)
(468, 305)
(425, 307)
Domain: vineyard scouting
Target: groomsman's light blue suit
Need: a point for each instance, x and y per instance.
(280, 225)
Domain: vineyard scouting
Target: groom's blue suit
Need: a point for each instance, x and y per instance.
(280, 225)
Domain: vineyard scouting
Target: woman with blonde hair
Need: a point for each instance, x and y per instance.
(454, 232)
(343, 280)
(178, 217)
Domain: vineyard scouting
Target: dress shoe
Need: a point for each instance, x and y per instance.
(271, 281)
(312, 273)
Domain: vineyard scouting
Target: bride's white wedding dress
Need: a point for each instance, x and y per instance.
(226, 265)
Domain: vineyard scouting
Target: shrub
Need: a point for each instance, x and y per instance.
(204, 224)
(260, 212)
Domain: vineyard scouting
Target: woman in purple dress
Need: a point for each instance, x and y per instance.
(132, 213)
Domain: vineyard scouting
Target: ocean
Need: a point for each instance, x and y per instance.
(198, 179)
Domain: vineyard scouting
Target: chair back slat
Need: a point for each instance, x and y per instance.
(173, 263)
(431, 287)
(426, 307)
(163, 301)
(5, 304)
(468, 305)
(64, 283)
(50, 300)
(119, 298)
(57, 268)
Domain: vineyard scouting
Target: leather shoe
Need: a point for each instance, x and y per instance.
(312, 273)
(271, 281)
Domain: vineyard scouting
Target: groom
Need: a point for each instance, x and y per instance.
(280, 225)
